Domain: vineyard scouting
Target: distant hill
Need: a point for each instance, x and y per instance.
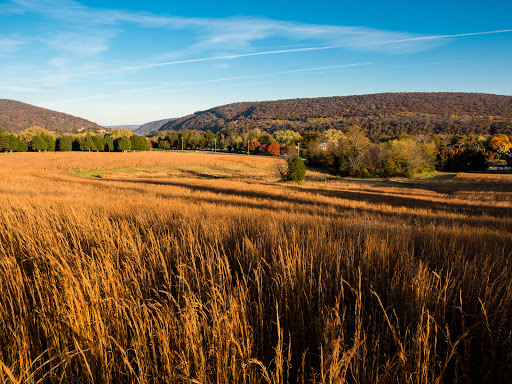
(16, 116)
(152, 126)
(383, 115)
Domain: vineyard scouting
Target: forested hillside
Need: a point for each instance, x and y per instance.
(383, 115)
(152, 126)
(16, 116)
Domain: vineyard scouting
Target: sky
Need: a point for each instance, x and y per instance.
(131, 62)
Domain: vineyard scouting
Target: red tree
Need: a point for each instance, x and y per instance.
(273, 149)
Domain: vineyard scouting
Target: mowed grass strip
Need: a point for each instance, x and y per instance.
(200, 171)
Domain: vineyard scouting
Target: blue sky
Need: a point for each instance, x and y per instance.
(122, 62)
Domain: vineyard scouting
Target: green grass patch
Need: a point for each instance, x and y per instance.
(203, 171)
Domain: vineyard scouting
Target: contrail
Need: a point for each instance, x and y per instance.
(277, 73)
(307, 49)
(148, 66)
(283, 51)
(446, 36)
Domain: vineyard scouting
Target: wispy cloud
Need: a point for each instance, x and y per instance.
(185, 86)
(8, 44)
(228, 34)
(15, 88)
(435, 63)
(226, 57)
(271, 74)
(85, 43)
(84, 33)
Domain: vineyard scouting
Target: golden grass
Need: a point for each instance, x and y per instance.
(130, 278)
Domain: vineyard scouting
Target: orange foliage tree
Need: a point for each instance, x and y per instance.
(273, 149)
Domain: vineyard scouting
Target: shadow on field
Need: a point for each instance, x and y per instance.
(439, 212)
(445, 183)
(371, 197)
(377, 197)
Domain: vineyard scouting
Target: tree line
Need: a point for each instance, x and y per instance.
(346, 152)
(351, 151)
(36, 139)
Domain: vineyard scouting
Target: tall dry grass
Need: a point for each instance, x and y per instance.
(216, 281)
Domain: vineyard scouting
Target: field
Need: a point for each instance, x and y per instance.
(202, 268)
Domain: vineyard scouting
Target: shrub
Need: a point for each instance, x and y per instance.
(296, 169)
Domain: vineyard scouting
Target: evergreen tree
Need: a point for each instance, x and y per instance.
(4, 142)
(88, 143)
(109, 143)
(12, 143)
(99, 142)
(123, 144)
(164, 144)
(139, 143)
(21, 145)
(38, 144)
(228, 131)
(49, 141)
(64, 144)
(296, 169)
(77, 144)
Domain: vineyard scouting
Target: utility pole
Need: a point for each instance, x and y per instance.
(247, 146)
(298, 149)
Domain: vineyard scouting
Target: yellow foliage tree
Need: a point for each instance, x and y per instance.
(36, 130)
(500, 143)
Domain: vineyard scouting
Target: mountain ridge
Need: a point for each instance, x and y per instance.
(16, 116)
(153, 126)
(380, 112)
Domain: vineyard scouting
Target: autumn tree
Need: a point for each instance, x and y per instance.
(118, 133)
(273, 149)
(287, 137)
(500, 143)
(29, 133)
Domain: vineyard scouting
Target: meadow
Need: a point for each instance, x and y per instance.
(166, 267)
